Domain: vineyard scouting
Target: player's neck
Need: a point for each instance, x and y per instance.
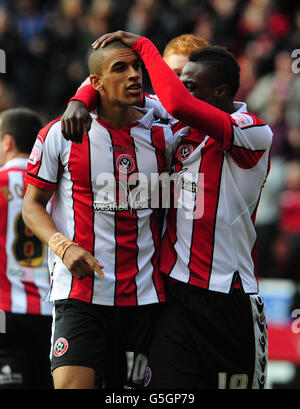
(118, 116)
(14, 155)
(226, 105)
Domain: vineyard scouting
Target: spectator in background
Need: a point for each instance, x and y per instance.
(267, 217)
(177, 51)
(66, 61)
(9, 42)
(276, 96)
(32, 60)
(286, 245)
(154, 19)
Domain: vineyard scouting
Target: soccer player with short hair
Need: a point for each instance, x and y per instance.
(92, 223)
(76, 118)
(24, 274)
(212, 333)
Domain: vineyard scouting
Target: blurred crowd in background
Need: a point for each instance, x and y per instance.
(46, 44)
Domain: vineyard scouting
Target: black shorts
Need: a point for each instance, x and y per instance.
(94, 335)
(24, 352)
(209, 340)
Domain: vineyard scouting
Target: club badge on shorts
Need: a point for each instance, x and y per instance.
(60, 347)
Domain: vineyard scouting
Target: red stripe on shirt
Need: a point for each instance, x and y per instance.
(159, 143)
(79, 167)
(157, 278)
(168, 252)
(33, 298)
(245, 158)
(5, 286)
(202, 246)
(126, 229)
(178, 126)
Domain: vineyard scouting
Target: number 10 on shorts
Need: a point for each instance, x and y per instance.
(236, 381)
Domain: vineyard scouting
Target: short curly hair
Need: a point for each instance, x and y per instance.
(184, 45)
(222, 63)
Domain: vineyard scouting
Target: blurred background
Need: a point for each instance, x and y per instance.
(46, 44)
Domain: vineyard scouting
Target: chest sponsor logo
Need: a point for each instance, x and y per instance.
(140, 192)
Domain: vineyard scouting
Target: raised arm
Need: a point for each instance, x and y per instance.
(176, 98)
(172, 93)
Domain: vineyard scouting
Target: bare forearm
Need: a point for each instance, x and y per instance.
(38, 220)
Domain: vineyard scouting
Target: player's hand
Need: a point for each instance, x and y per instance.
(75, 122)
(127, 38)
(81, 263)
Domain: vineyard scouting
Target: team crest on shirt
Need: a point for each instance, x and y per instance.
(60, 347)
(36, 152)
(184, 151)
(242, 120)
(125, 163)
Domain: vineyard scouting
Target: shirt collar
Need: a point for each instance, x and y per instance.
(146, 121)
(240, 106)
(148, 118)
(16, 163)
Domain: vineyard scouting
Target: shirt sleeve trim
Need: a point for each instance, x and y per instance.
(40, 182)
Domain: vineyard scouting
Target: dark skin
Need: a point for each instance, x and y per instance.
(200, 82)
(76, 121)
(197, 77)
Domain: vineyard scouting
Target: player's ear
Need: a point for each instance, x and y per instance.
(96, 81)
(8, 142)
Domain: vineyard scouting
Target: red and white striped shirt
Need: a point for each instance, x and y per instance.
(210, 240)
(127, 241)
(24, 274)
